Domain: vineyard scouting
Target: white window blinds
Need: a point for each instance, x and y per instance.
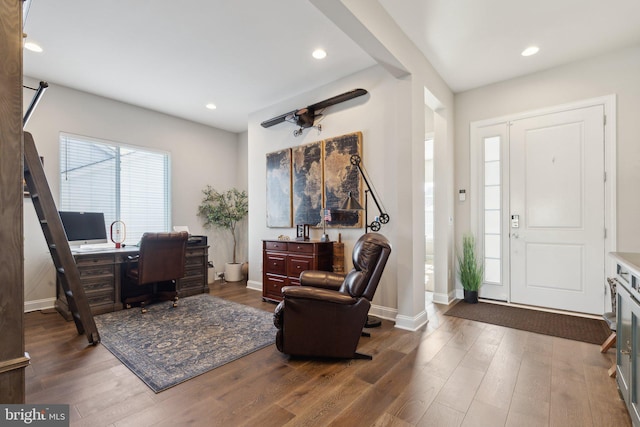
(126, 183)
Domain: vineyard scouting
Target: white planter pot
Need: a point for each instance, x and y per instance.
(233, 272)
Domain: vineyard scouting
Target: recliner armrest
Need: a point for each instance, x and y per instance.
(321, 279)
(317, 294)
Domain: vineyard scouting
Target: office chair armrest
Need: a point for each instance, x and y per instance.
(321, 279)
(317, 294)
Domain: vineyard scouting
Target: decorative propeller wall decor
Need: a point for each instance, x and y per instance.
(306, 117)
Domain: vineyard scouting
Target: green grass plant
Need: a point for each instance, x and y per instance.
(470, 268)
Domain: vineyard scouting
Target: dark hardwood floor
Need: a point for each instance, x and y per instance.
(453, 372)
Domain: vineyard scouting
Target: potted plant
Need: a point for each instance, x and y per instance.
(470, 269)
(225, 210)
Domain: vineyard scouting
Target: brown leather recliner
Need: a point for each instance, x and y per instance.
(324, 317)
(152, 274)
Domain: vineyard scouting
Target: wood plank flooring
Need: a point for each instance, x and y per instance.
(453, 372)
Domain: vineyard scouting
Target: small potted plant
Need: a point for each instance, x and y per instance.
(225, 210)
(470, 269)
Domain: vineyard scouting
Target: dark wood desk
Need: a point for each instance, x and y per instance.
(101, 276)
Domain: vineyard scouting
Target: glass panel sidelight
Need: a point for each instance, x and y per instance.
(492, 210)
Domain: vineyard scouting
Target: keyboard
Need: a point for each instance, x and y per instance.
(93, 249)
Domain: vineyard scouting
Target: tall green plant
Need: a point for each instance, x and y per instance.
(470, 268)
(224, 210)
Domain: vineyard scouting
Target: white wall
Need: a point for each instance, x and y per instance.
(368, 114)
(200, 155)
(614, 73)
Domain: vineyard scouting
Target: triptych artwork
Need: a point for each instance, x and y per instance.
(309, 183)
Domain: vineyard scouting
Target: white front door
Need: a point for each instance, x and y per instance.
(556, 215)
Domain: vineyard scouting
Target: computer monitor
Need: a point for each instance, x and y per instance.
(84, 228)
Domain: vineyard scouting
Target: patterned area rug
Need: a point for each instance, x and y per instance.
(592, 331)
(167, 345)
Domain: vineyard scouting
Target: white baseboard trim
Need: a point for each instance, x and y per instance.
(256, 286)
(446, 299)
(40, 304)
(412, 323)
(383, 312)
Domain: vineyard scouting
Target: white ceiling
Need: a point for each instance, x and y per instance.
(244, 55)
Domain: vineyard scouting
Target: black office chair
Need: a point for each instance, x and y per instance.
(152, 274)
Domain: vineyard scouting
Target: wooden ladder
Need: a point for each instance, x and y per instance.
(66, 268)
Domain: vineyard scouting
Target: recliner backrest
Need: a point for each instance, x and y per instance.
(370, 255)
(162, 257)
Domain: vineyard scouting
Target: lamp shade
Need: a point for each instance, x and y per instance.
(351, 204)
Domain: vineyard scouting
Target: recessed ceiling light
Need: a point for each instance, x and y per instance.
(531, 50)
(211, 106)
(319, 53)
(33, 47)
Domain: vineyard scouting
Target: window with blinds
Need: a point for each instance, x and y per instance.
(126, 183)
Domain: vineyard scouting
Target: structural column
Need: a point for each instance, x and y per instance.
(12, 356)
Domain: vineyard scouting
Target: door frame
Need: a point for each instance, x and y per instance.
(610, 184)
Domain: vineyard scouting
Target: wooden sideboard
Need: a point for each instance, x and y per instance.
(101, 276)
(283, 261)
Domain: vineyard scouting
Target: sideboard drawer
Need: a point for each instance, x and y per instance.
(273, 285)
(276, 264)
(276, 246)
(283, 261)
(300, 248)
(298, 264)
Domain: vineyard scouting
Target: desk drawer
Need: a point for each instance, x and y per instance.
(196, 271)
(194, 260)
(98, 270)
(190, 283)
(100, 297)
(98, 284)
(90, 259)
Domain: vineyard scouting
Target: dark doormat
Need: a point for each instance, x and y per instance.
(593, 331)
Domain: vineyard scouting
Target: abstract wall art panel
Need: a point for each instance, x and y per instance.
(279, 189)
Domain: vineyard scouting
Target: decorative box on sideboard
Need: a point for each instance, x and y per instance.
(283, 261)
